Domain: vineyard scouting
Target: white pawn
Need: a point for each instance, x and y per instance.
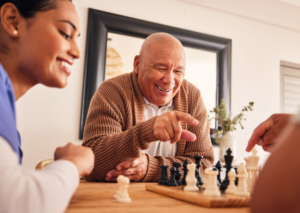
(211, 184)
(242, 185)
(119, 187)
(190, 179)
(205, 179)
(231, 187)
(123, 196)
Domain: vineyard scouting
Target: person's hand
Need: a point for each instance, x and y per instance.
(265, 134)
(134, 169)
(167, 127)
(82, 157)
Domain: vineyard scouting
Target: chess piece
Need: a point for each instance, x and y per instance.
(252, 169)
(215, 169)
(231, 187)
(123, 196)
(172, 181)
(185, 171)
(164, 175)
(242, 186)
(228, 161)
(236, 179)
(205, 179)
(211, 184)
(191, 180)
(119, 186)
(219, 167)
(197, 171)
(178, 173)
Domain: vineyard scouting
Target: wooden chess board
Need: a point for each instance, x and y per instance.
(226, 200)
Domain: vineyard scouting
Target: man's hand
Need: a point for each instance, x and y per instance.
(134, 169)
(167, 127)
(267, 131)
(82, 157)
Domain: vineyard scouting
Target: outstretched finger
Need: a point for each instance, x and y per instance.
(188, 136)
(258, 133)
(187, 118)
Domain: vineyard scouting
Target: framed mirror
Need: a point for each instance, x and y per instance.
(208, 64)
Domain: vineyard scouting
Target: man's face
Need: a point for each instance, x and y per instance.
(160, 72)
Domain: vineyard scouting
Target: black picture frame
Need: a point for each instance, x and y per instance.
(100, 23)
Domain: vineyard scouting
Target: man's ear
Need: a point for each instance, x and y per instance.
(10, 19)
(136, 64)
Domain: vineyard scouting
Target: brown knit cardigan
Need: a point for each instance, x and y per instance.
(116, 132)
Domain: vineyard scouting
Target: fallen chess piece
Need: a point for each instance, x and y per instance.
(211, 184)
(242, 183)
(231, 187)
(191, 180)
(119, 187)
(123, 196)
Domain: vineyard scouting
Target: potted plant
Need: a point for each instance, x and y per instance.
(227, 124)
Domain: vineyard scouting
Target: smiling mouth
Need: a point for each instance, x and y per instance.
(161, 89)
(64, 64)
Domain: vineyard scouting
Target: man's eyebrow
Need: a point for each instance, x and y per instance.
(180, 68)
(160, 64)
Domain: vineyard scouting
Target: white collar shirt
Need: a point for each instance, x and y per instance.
(164, 149)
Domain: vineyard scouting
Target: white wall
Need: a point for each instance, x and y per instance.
(49, 117)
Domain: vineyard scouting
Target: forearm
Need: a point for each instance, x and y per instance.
(45, 191)
(110, 150)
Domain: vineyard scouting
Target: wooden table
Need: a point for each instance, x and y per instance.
(92, 197)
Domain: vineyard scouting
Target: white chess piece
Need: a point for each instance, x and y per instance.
(205, 179)
(119, 187)
(212, 188)
(123, 196)
(242, 182)
(191, 179)
(231, 187)
(252, 168)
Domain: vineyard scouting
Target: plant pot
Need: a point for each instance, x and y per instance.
(227, 141)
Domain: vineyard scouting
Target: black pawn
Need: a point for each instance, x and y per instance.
(236, 181)
(185, 171)
(197, 171)
(172, 181)
(178, 173)
(219, 167)
(164, 175)
(228, 161)
(218, 183)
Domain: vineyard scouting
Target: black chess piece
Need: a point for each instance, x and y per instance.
(178, 173)
(218, 183)
(236, 181)
(228, 161)
(219, 167)
(197, 171)
(164, 175)
(185, 171)
(172, 181)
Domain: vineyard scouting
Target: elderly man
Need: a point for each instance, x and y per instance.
(147, 118)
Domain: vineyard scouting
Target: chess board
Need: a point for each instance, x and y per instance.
(226, 200)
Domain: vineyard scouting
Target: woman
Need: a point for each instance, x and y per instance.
(37, 45)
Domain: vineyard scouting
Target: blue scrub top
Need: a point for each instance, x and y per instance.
(8, 127)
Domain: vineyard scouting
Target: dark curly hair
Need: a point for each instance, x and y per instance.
(28, 8)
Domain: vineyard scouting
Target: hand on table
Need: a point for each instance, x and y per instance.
(167, 127)
(134, 169)
(82, 157)
(267, 131)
